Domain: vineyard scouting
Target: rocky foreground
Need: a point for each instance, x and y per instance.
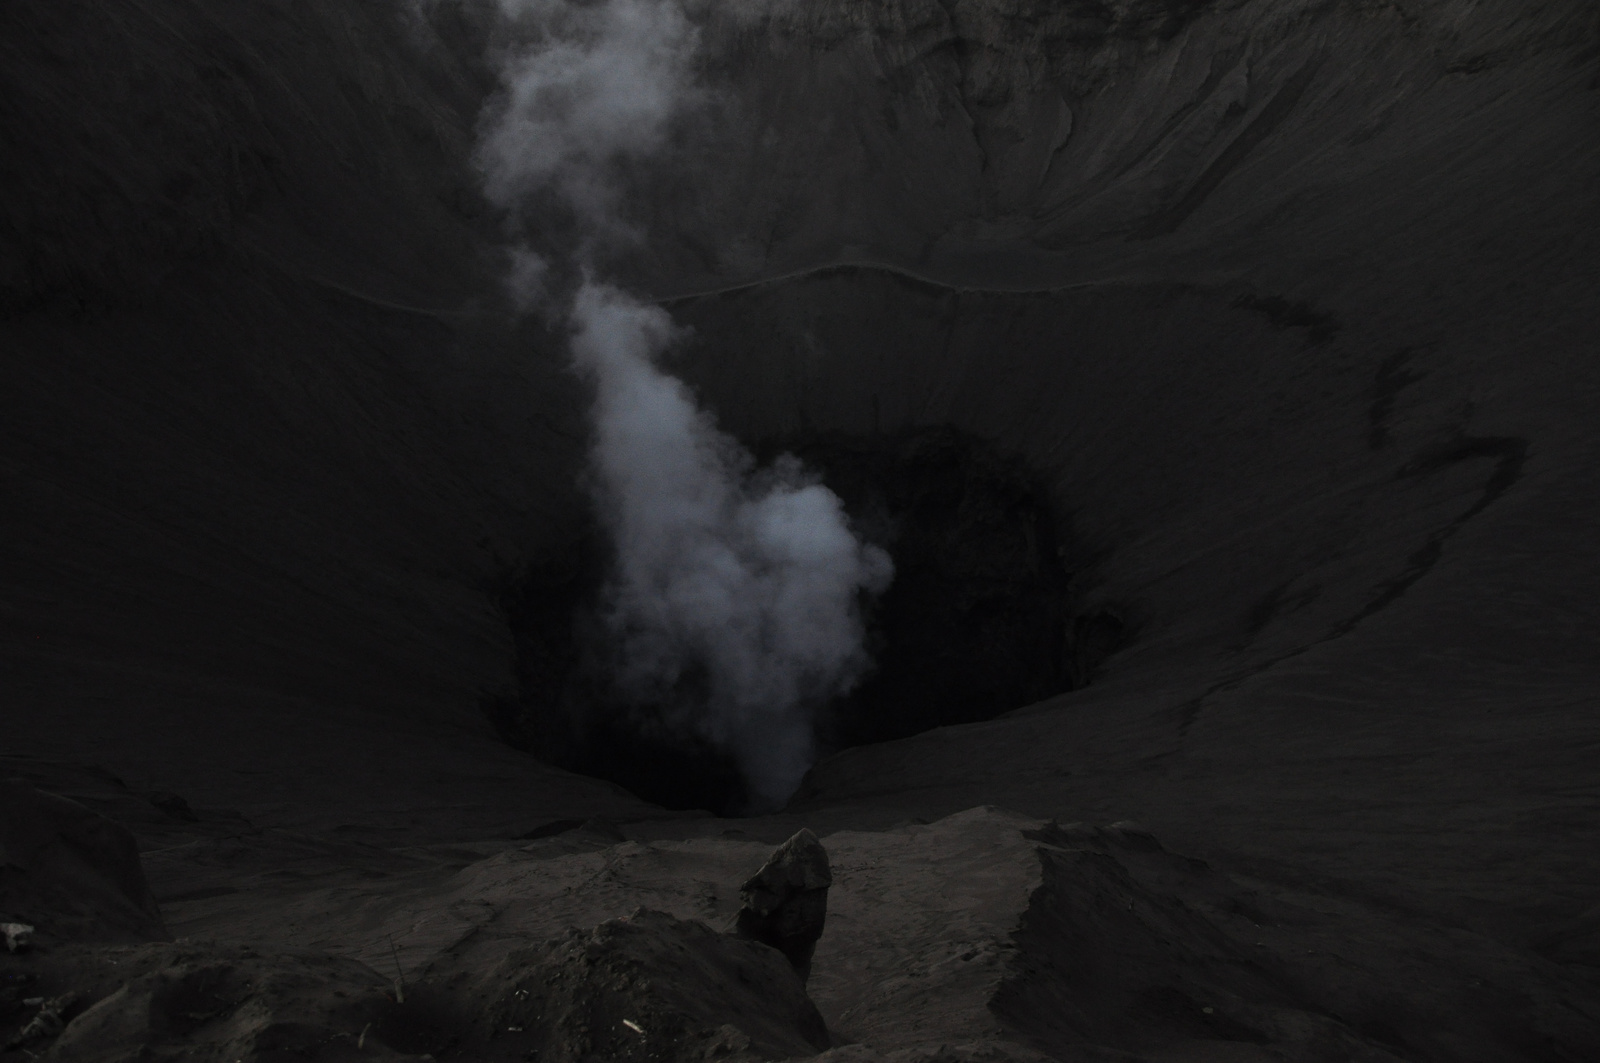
(985, 935)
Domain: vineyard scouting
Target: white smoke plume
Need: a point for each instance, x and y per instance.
(733, 605)
(598, 84)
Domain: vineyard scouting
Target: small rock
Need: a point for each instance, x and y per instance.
(18, 936)
(786, 902)
(173, 805)
(729, 1041)
(51, 1020)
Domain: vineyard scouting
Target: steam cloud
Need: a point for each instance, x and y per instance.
(733, 603)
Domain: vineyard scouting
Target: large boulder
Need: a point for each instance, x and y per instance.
(69, 872)
(194, 1001)
(786, 902)
(648, 986)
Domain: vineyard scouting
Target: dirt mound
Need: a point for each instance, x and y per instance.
(1128, 946)
(646, 987)
(191, 1001)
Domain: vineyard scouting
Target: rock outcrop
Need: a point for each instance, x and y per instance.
(68, 873)
(785, 904)
(646, 986)
(642, 987)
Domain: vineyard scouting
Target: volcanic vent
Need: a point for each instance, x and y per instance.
(979, 620)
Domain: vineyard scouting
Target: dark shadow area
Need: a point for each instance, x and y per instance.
(978, 621)
(563, 713)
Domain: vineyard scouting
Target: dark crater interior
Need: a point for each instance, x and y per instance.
(978, 621)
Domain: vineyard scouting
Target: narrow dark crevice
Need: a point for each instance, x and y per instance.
(1283, 314)
(1393, 378)
(960, 51)
(1268, 119)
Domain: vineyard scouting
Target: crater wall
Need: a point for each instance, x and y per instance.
(1293, 304)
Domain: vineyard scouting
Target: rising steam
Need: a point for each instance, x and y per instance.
(732, 606)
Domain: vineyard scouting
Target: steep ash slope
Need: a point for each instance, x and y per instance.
(265, 459)
(1298, 316)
